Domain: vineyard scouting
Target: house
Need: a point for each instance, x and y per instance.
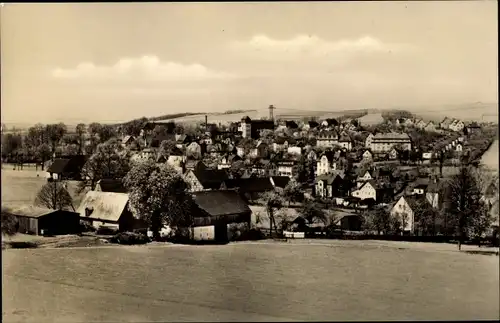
(432, 194)
(332, 185)
(326, 163)
(345, 142)
(459, 148)
(457, 126)
(393, 154)
(311, 155)
(145, 154)
(282, 143)
(182, 140)
(263, 167)
(407, 210)
(368, 141)
(473, 127)
(202, 178)
(445, 124)
(251, 128)
(327, 139)
(362, 179)
(427, 155)
(286, 168)
(430, 127)
(420, 124)
(366, 191)
(383, 142)
(108, 209)
(249, 188)
(367, 155)
(295, 150)
(261, 150)
(65, 168)
(110, 185)
(227, 161)
(193, 165)
(214, 211)
(41, 221)
(420, 189)
(128, 141)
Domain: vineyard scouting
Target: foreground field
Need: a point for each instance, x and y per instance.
(248, 282)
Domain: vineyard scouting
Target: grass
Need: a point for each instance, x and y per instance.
(248, 282)
(21, 186)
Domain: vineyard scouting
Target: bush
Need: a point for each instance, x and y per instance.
(105, 230)
(86, 227)
(252, 234)
(130, 238)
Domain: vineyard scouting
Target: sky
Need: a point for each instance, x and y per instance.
(105, 62)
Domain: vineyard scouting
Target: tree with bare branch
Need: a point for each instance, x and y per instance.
(55, 196)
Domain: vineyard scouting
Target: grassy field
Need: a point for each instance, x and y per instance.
(248, 282)
(21, 187)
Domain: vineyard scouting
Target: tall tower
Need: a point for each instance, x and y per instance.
(271, 112)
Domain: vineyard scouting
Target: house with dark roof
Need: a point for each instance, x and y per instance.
(110, 185)
(202, 178)
(65, 168)
(249, 188)
(332, 185)
(327, 138)
(214, 211)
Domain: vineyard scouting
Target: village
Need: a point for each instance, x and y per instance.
(255, 178)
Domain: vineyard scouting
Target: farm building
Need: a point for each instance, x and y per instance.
(67, 167)
(39, 221)
(108, 209)
(110, 185)
(214, 211)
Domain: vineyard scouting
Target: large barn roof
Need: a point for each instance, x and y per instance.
(107, 206)
(217, 203)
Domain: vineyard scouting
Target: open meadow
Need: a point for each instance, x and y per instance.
(20, 187)
(336, 280)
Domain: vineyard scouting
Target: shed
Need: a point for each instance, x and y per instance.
(38, 221)
(214, 211)
(108, 208)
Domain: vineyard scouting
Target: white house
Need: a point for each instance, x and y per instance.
(345, 142)
(383, 142)
(404, 210)
(285, 168)
(326, 164)
(327, 139)
(240, 151)
(459, 147)
(427, 155)
(367, 155)
(457, 126)
(420, 124)
(193, 149)
(366, 191)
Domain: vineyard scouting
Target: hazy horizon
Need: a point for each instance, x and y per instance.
(117, 61)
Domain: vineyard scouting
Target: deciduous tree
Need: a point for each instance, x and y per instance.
(55, 196)
(158, 194)
(272, 201)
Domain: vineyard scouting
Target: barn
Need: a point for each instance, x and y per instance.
(69, 167)
(108, 209)
(214, 211)
(40, 221)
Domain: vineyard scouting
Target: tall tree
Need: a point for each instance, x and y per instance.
(158, 194)
(293, 192)
(464, 208)
(43, 153)
(106, 132)
(166, 148)
(314, 213)
(54, 195)
(55, 133)
(110, 161)
(93, 129)
(377, 219)
(80, 132)
(272, 201)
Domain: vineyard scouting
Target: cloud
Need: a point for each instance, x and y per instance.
(146, 67)
(311, 46)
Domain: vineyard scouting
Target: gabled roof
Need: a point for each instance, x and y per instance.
(26, 210)
(372, 182)
(210, 178)
(330, 155)
(219, 203)
(127, 138)
(250, 185)
(111, 185)
(58, 166)
(345, 138)
(246, 119)
(107, 206)
(327, 134)
(280, 181)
